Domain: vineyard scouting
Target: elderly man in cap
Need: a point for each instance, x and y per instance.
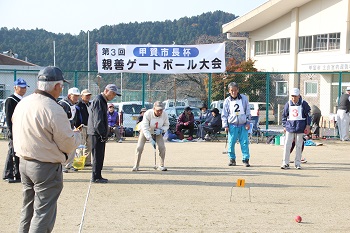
(235, 120)
(343, 118)
(68, 105)
(98, 128)
(153, 125)
(43, 145)
(296, 120)
(82, 121)
(11, 171)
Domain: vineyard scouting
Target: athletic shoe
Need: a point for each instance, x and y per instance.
(135, 169)
(246, 162)
(190, 138)
(120, 140)
(298, 167)
(200, 140)
(102, 180)
(232, 162)
(64, 170)
(73, 169)
(162, 168)
(286, 166)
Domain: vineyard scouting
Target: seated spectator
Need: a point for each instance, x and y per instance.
(185, 121)
(214, 125)
(113, 122)
(204, 118)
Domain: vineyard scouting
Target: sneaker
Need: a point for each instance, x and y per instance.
(120, 141)
(190, 138)
(102, 180)
(206, 137)
(73, 169)
(286, 166)
(135, 169)
(298, 167)
(64, 170)
(162, 168)
(232, 162)
(246, 162)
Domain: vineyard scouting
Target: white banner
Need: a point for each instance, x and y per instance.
(161, 59)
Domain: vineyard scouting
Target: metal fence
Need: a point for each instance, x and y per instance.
(317, 88)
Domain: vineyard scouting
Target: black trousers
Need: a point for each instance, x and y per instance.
(315, 118)
(98, 156)
(11, 169)
(190, 128)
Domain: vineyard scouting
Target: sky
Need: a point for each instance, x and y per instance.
(73, 16)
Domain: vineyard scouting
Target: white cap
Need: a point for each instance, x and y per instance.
(73, 91)
(295, 91)
(348, 88)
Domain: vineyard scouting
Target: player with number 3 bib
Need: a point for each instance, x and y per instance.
(296, 120)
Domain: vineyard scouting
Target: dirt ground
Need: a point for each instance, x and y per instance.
(198, 193)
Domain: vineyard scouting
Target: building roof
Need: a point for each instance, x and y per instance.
(7, 60)
(262, 15)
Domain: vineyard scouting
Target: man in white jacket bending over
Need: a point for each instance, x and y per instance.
(153, 125)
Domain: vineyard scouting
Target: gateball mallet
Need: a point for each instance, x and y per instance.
(225, 152)
(155, 151)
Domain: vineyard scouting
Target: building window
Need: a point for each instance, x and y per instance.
(305, 43)
(285, 45)
(272, 46)
(320, 42)
(281, 88)
(260, 47)
(311, 88)
(334, 41)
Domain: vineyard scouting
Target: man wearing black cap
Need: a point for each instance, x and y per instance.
(99, 129)
(11, 171)
(185, 121)
(43, 145)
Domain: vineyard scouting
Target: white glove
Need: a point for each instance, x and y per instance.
(153, 143)
(158, 131)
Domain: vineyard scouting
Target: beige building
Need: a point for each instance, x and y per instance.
(300, 36)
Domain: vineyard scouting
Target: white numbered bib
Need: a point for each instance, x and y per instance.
(295, 113)
(237, 107)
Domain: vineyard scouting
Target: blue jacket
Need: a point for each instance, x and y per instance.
(296, 126)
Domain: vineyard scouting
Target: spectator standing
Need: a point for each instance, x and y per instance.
(296, 122)
(185, 121)
(315, 120)
(113, 122)
(11, 171)
(235, 119)
(99, 129)
(82, 119)
(43, 145)
(154, 123)
(343, 118)
(69, 107)
(142, 112)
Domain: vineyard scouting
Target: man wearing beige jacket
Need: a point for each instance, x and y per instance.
(43, 139)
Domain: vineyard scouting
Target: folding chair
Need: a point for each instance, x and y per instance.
(215, 136)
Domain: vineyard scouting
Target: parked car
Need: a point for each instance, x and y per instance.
(174, 113)
(259, 109)
(129, 112)
(219, 104)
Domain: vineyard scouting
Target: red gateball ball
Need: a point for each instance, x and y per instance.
(298, 219)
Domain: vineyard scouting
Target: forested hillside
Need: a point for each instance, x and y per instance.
(71, 50)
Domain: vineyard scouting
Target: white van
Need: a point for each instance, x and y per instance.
(169, 103)
(219, 104)
(129, 112)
